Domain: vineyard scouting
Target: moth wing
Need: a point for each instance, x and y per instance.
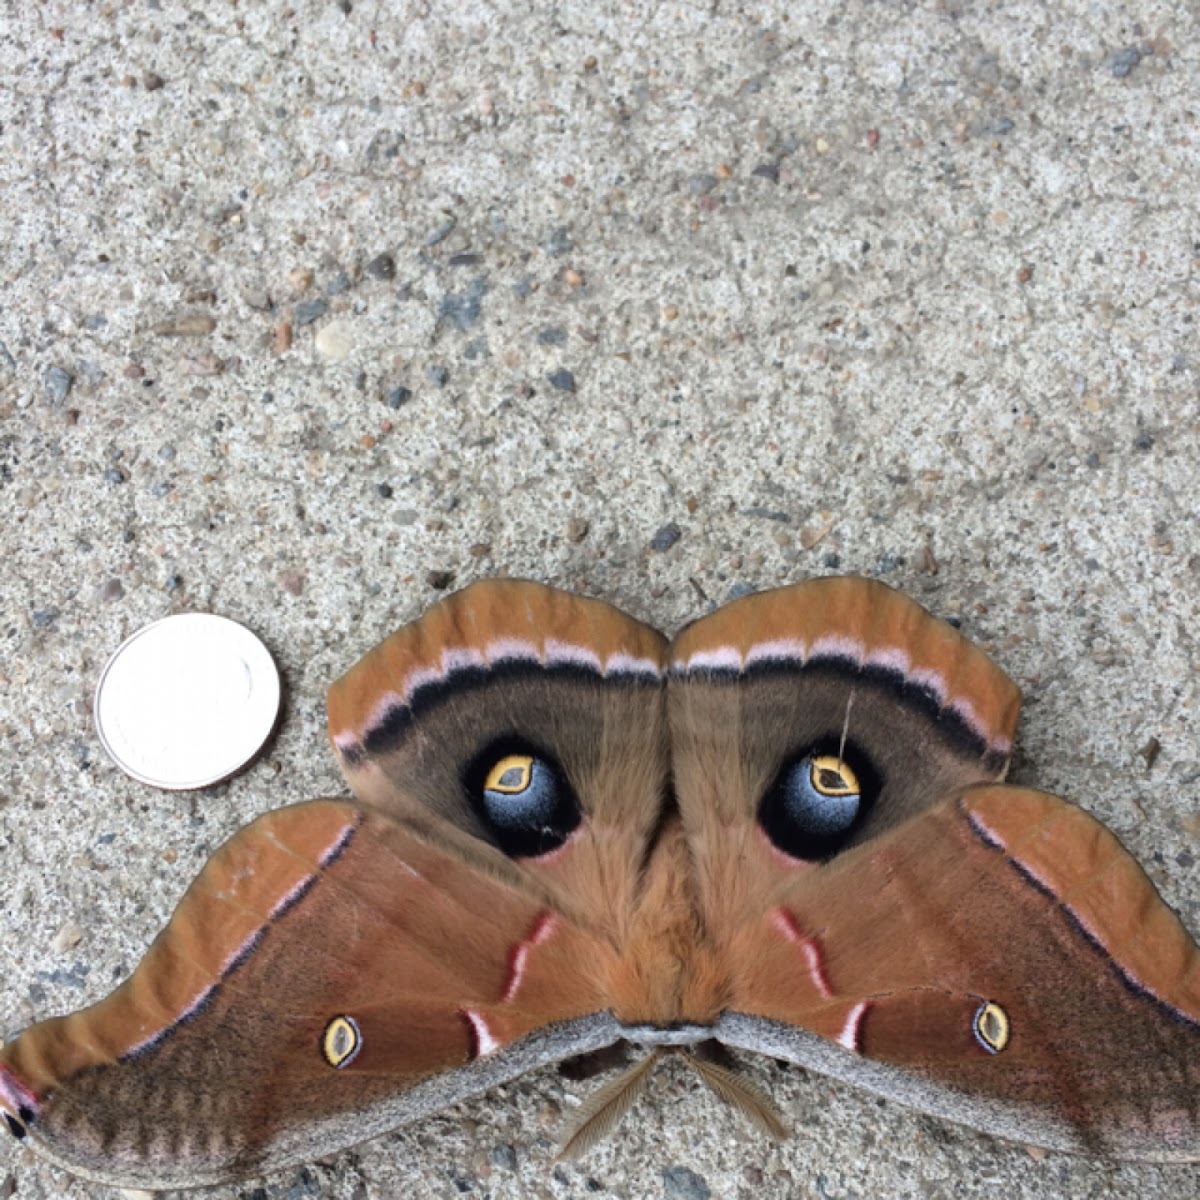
(513, 666)
(337, 969)
(882, 912)
(329, 975)
(999, 960)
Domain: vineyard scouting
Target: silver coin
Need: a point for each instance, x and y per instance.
(187, 701)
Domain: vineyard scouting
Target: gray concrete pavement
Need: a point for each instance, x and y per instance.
(310, 309)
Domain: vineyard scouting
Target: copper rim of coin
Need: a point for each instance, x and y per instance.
(187, 701)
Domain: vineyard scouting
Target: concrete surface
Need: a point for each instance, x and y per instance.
(900, 289)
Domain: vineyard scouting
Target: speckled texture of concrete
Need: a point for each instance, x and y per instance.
(906, 290)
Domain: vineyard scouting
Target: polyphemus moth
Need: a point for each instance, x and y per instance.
(783, 830)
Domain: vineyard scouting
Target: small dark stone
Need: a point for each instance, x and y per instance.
(307, 311)
(554, 336)
(562, 379)
(442, 232)
(382, 266)
(682, 1183)
(463, 310)
(701, 185)
(339, 284)
(74, 977)
(58, 383)
(437, 375)
(306, 1185)
(740, 589)
(767, 170)
(43, 618)
(1143, 441)
(559, 241)
(152, 81)
(174, 582)
(504, 1157)
(577, 529)
(463, 260)
(888, 562)
(1186, 859)
(385, 490)
(767, 514)
(832, 560)
(1092, 460)
(1150, 752)
(1124, 61)
(666, 537)
(385, 145)
(114, 475)
(112, 590)
(439, 580)
(397, 397)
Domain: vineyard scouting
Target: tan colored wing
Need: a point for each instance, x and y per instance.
(830, 667)
(329, 975)
(511, 666)
(337, 969)
(1010, 953)
(991, 954)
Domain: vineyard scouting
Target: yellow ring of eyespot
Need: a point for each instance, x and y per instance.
(341, 1041)
(844, 782)
(521, 763)
(992, 1027)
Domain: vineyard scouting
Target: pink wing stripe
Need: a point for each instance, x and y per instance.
(894, 658)
(852, 1030)
(539, 934)
(15, 1094)
(810, 949)
(485, 1041)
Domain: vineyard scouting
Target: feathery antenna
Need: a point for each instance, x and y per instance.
(604, 1109)
(740, 1094)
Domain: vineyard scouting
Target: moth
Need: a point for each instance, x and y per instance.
(783, 830)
